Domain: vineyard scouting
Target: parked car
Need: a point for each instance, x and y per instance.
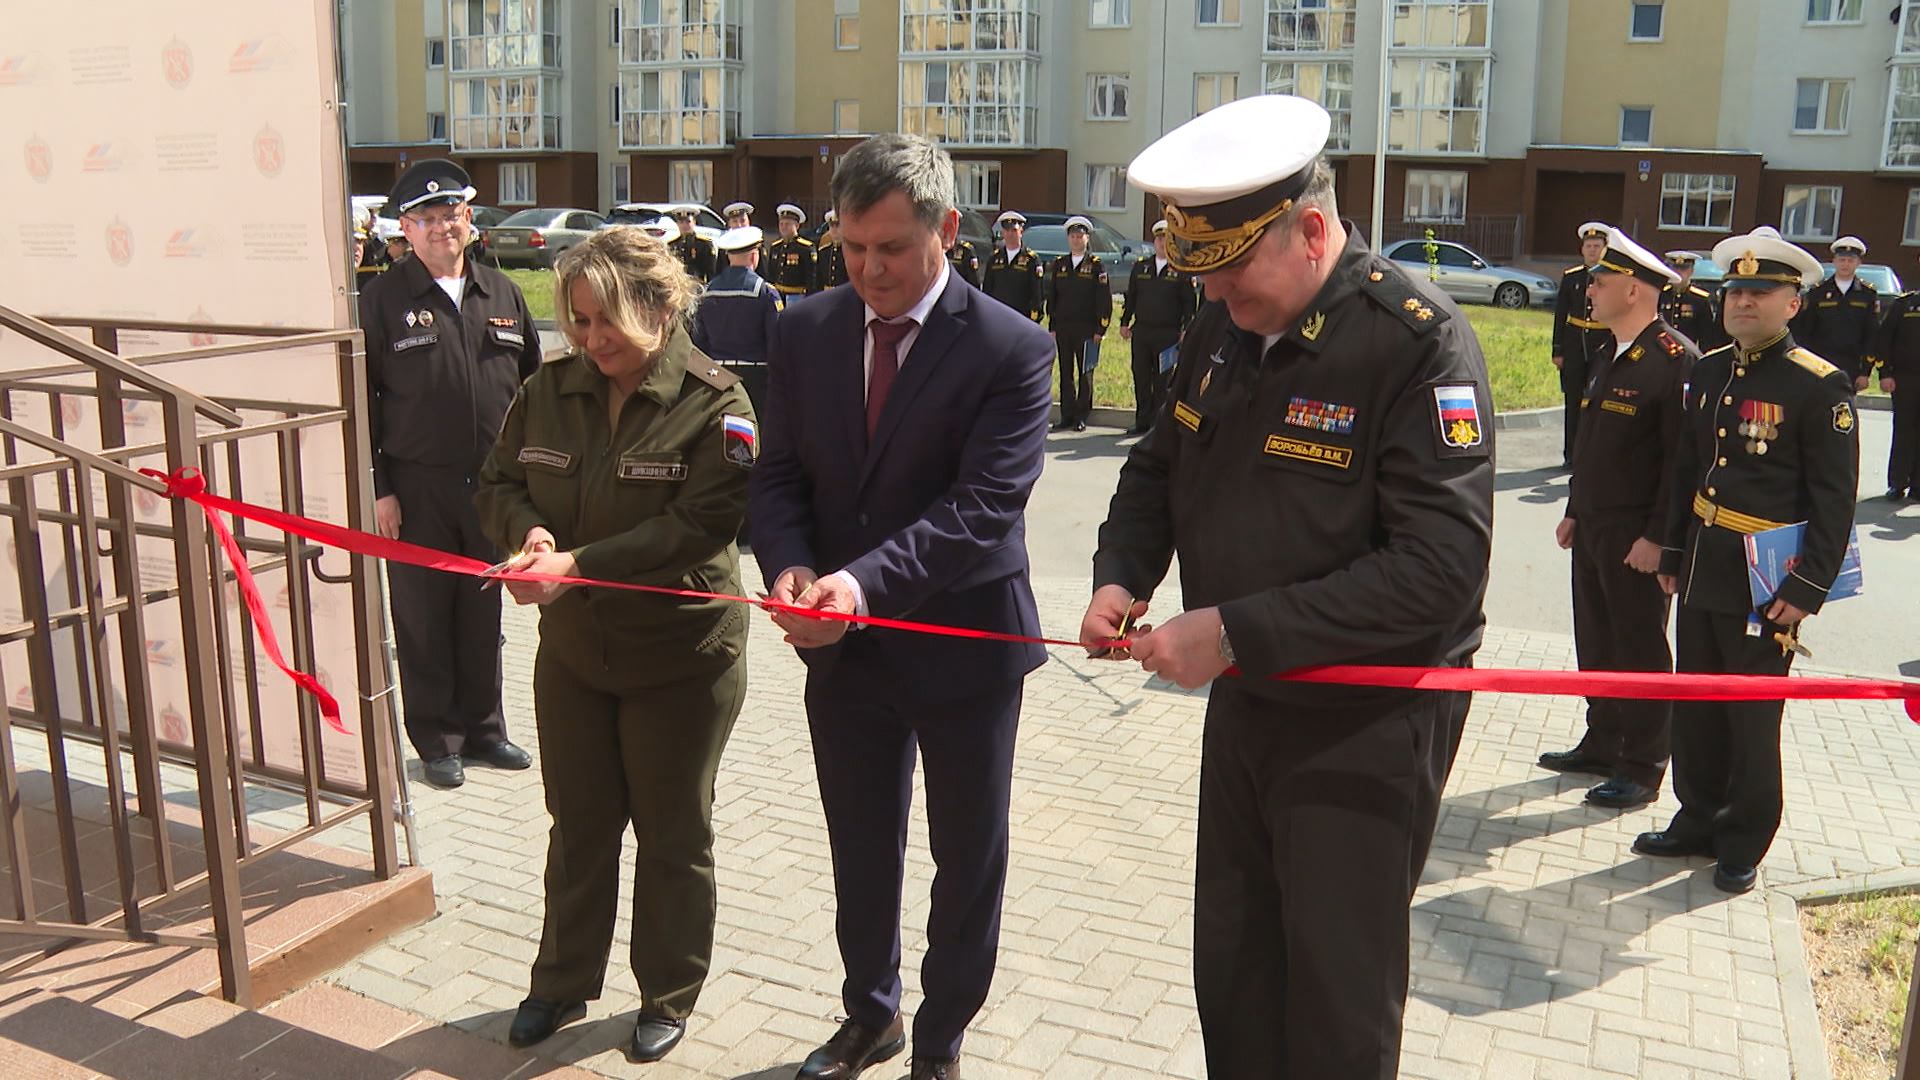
(1464, 275)
(537, 237)
(1885, 280)
(651, 214)
(1047, 235)
(484, 218)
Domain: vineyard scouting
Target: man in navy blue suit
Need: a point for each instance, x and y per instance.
(902, 435)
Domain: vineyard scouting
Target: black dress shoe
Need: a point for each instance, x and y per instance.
(934, 1069)
(653, 1036)
(500, 755)
(1079, 425)
(538, 1018)
(854, 1047)
(444, 772)
(1735, 879)
(1668, 845)
(1575, 761)
(1619, 794)
(1896, 495)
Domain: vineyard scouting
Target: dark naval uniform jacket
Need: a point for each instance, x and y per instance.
(1019, 283)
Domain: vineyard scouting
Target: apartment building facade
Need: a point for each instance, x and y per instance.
(1508, 122)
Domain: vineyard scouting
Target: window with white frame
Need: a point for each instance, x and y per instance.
(1310, 25)
(620, 182)
(1911, 233)
(1820, 106)
(1216, 12)
(983, 102)
(437, 53)
(846, 31)
(1214, 88)
(1438, 105)
(1438, 195)
(939, 26)
(516, 183)
(690, 181)
(1107, 97)
(1636, 125)
(1106, 187)
(1833, 11)
(1104, 14)
(1329, 82)
(976, 184)
(676, 31)
(1647, 20)
(436, 127)
(679, 106)
(1901, 149)
(1810, 212)
(505, 112)
(1909, 43)
(1441, 24)
(1701, 201)
(846, 117)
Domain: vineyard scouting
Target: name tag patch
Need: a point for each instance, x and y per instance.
(653, 470)
(415, 342)
(540, 455)
(1287, 446)
(508, 337)
(1620, 407)
(1188, 416)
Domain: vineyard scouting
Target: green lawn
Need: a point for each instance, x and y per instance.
(1515, 343)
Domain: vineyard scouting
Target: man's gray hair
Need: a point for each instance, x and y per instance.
(1318, 193)
(883, 164)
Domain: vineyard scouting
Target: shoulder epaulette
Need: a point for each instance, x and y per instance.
(804, 242)
(1575, 268)
(1811, 362)
(1670, 343)
(1395, 293)
(1700, 292)
(711, 373)
(1718, 351)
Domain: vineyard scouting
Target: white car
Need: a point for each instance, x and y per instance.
(659, 216)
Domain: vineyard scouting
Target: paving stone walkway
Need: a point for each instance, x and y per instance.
(1543, 948)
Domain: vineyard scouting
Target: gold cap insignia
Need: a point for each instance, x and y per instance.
(1747, 266)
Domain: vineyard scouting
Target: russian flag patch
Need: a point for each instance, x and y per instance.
(740, 440)
(1458, 411)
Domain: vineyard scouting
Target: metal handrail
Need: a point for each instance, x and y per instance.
(45, 333)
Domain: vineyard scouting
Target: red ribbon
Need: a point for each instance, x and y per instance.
(1658, 686)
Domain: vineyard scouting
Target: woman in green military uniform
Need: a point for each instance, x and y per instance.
(627, 461)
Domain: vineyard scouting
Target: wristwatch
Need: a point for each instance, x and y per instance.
(1226, 648)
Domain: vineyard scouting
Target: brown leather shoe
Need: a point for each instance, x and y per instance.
(934, 1069)
(852, 1049)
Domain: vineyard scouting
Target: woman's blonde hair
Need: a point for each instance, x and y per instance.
(638, 281)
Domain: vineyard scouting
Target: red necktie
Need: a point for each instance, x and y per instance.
(886, 364)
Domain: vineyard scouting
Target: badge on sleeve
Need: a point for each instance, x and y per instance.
(740, 440)
(1456, 413)
(1843, 418)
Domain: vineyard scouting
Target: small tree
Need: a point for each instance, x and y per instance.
(1433, 256)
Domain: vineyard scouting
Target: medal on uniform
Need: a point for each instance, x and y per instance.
(1760, 421)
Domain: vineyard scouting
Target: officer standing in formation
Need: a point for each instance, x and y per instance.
(1689, 308)
(789, 263)
(1770, 440)
(1839, 316)
(1326, 477)
(1577, 338)
(449, 342)
(696, 252)
(965, 261)
(1014, 275)
(1623, 468)
(1896, 351)
(1079, 307)
(829, 262)
(1159, 303)
(739, 214)
(734, 322)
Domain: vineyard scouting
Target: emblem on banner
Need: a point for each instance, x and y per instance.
(17, 70)
(119, 242)
(39, 159)
(269, 152)
(176, 63)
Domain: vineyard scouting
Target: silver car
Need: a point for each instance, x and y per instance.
(537, 237)
(1462, 274)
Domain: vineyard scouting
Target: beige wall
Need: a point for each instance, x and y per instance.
(824, 75)
(410, 74)
(1679, 76)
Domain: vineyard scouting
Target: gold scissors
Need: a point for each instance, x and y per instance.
(1108, 652)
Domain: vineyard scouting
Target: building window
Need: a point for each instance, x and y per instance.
(937, 26)
(1636, 125)
(1441, 24)
(1810, 212)
(437, 53)
(1309, 25)
(1436, 195)
(1106, 14)
(977, 184)
(1833, 11)
(505, 112)
(846, 31)
(1909, 29)
(1213, 89)
(1903, 117)
(687, 106)
(436, 127)
(1106, 187)
(1648, 15)
(1696, 201)
(1328, 82)
(620, 182)
(516, 184)
(1820, 106)
(846, 117)
(690, 181)
(1216, 12)
(505, 35)
(1911, 234)
(1438, 106)
(1107, 97)
(979, 102)
(657, 32)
